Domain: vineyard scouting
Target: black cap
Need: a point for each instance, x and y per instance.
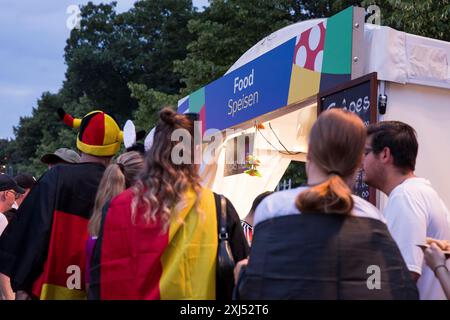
(8, 183)
(25, 181)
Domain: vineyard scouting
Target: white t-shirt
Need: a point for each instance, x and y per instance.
(283, 203)
(413, 212)
(3, 222)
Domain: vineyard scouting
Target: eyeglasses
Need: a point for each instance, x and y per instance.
(367, 151)
(16, 195)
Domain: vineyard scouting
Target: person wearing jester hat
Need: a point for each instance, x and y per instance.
(43, 250)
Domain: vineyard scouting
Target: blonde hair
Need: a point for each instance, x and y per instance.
(336, 147)
(117, 177)
(163, 184)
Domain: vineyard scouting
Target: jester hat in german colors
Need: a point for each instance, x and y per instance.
(99, 134)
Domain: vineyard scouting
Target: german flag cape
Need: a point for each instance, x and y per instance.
(43, 249)
(139, 260)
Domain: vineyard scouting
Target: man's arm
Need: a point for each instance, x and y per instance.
(5, 288)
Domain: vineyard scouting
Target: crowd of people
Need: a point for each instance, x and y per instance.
(142, 226)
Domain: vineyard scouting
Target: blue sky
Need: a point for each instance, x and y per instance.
(32, 39)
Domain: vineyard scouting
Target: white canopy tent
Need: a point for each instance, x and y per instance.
(413, 72)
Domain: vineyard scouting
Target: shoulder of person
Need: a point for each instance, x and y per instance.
(51, 173)
(278, 204)
(123, 198)
(413, 187)
(365, 209)
(119, 210)
(230, 207)
(414, 192)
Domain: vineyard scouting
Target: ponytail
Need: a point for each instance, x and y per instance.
(331, 196)
(336, 145)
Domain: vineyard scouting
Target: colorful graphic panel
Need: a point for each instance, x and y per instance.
(313, 61)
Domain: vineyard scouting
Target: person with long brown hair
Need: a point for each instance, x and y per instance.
(335, 153)
(159, 239)
(328, 238)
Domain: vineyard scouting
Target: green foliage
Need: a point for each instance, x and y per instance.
(110, 50)
(428, 18)
(4, 155)
(150, 103)
(44, 132)
(296, 171)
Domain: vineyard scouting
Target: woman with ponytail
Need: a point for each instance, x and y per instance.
(334, 155)
(159, 239)
(328, 239)
(335, 152)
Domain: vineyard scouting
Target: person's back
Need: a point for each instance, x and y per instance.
(75, 195)
(325, 256)
(412, 208)
(174, 263)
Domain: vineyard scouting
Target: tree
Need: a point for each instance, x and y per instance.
(428, 18)
(150, 103)
(296, 171)
(110, 50)
(4, 155)
(44, 132)
(30, 130)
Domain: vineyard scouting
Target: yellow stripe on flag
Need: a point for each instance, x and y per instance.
(189, 261)
(54, 292)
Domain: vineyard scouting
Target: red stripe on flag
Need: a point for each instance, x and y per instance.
(67, 248)
(130, 254)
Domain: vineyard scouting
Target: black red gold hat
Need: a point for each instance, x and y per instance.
(99, 134)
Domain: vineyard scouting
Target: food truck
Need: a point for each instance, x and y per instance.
(266, 103)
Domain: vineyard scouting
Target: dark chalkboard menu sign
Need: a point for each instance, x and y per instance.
(360, 97)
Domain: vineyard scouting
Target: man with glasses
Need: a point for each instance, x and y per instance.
(9, 193)
(26, 182)
(414, 210)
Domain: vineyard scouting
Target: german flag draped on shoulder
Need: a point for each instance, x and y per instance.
(45, 245)
(139, 260)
